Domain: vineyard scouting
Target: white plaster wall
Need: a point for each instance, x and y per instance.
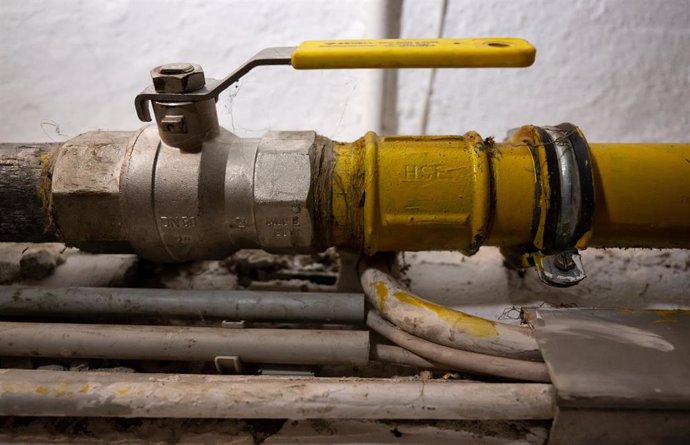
(619, 69)
(77, 65)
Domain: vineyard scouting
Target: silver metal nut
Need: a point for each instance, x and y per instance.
(85, 189)
(178, 78)
(282, 179)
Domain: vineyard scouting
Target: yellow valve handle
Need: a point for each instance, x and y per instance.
(495, 52)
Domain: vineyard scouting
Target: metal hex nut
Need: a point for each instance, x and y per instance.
(178, 78)
(282, 181)
(86, 188)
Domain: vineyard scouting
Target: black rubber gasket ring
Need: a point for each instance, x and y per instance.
(586, 176)
(549, 241)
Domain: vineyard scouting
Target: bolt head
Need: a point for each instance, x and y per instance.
(178, 78)
(564, 262)
(177, 68)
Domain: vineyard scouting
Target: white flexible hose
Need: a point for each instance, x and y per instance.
(471, 362)
(443, 325)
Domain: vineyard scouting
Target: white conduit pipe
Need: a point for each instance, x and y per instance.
(101, 394)
(460, 360)
(400, 356)
(93, 302)
(443, 325)
(147, 342)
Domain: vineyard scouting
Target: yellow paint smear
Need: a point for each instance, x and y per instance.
(381, 293)
(42, 390)
(122, 391)
(84, 389)
(63, 390)
(669, 315)
(474, 326)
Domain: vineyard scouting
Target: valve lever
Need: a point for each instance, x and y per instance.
(213, 88)
(504, 52)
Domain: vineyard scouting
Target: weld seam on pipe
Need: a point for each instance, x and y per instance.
(188, 304)
(90, 394)
(137, 342)
(457, 359)
(443, 325)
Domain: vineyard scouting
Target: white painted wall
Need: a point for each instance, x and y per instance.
(619, 69)
(79, 64)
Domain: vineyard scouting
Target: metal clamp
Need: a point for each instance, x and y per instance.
(560, 270)
(570, 205)
(228, 364)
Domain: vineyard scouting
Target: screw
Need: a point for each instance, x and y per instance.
(564, 262)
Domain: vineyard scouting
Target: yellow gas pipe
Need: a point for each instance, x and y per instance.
(459, 192)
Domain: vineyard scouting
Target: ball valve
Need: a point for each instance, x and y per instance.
(186, 189)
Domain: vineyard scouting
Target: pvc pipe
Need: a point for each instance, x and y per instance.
(399, 356)
(92, 394)
(134, 342)
(443, 325)
(177, 304)
(466, 361)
